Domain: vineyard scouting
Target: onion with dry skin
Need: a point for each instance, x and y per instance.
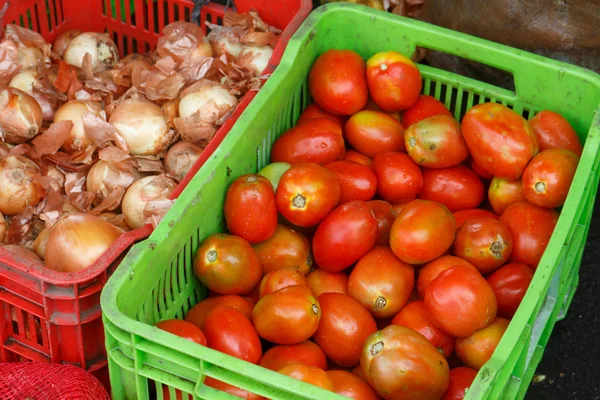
(142, 192)
(30, 57)
(40, 242)
(17, 187)
(21, 251)
(180, 158)
(225, 40)
(26, 81)
(104, 178)
(62, 41)
(99, 46)
(117, 220)
(20, 116)
(73, 111)
(255, 58)
(207, 94)
(3, 228)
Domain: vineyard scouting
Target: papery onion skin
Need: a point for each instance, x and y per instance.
(40, 242)
(25, 81)
(62, 41)
(30, 57)
(3, 228)
(20, 116)
(255, 58)
(73, 111)
(140, 193)
(180, 158)
(112, 217)
(17, 189)
(77, 240)
(103, 52)
(21, 251)
(102, 175)
(194, 101)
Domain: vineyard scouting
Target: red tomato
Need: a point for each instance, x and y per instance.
(425, 107)
(399, 179)
(479, 170)
(531, 228)
(337, 82)
(460, 301)
(385, 216)
(233, 390)
(502, 193)
(226, 264)
(374, 132)
(351, 386)
(321, 281)
(343, 320)
(381, 282)
(548, 177)
(432, 269)
(458, 187)
(306, 194)
(461, 216)
(198, 313)
(250, 210)
(353, 155)
(279, 279)
(357, 181)
(555, 132)
(344, 236)
(394, 81)
(461, 379)
(285, 249)
(372, 106)
(358, 371)
(478, 348)
(183, 329)
(398, 207)
(253, 297)
(318, 141)
(510, 283)
(423, 231)
(309, 374)
(396, 348)
(499, 139)
(415, 316)
(313, 111)
(436, 142)
(307, 353)
(484, 242)
(287, 316)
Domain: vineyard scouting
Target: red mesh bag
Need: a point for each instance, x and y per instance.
(41, 381)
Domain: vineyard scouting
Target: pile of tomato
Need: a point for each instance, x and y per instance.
(384, 251)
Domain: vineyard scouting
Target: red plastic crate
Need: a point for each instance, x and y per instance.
(58, 315)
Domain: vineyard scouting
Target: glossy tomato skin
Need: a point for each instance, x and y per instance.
(287, 248)
(343, 320)
(374, 132)
(398, 207)
(385, 216)
(183, 329)
(309, 374)
(531, 228)
(461, 216)
(227, 264)
(436, 142)
(399, 178)
(306, 194)
(372, 106)
(555, 132)
(548, 177)
(307, 353)
(397, 348)
(351, 386)
(394, 81)
(432, 269)
(233, 390)
(510, 283)
(313, 111)
(425, 107)
(458, 188)
(197, 314)
(502, 193)
(500, 140)
(337, 82)
(273, 172)
(250, 210)
(461, 379)
(479, 170)
(460, 301)
(279, 279)
(422, 232)
(321, 281)
(478, 348)
(287, 316)
(316, 141)
(353, 155)
(357, 181)
(381, 282)
(344, 236)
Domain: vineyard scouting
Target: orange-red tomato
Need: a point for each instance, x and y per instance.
(313, 111)
(353, 155)
(198, 313)
(307, 353)
(394, 81)
(461, 216)
(502, 193)
(351, 386)
(309, 374)
(358, 371)
(357, 181)
(183, 329)
(476, 349)
(398, 207)
(425, 107)
(321, 281)
(479, 170)
(318, 141)
(499, 139)
(372, 106)
(250, 210)
(510, 283)
(461, 379)
(374, 132)
(233, 390)
(385, 216)
(432, 269)
(337, 82)
(287, 248)
(279, 279)
(399, 178)
(458, 187)
(555, 132)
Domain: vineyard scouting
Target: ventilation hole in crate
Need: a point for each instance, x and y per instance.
(166, 13)
(175, 12)
(61, 9)
(36, 13)
(34, 329)
(125, 48)
(147, 47)
(134, 46)
(29, 21)
(21, 21)
(144, 14)
(527, 114)
(188, 14)
(219, 21)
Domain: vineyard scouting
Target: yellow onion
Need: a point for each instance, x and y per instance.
(30, 57)
(140, 193)
(3, 228)
(40, 242)
(196, 100)
(21, 251)
(20, 116)
(62, 41)
(99, 46)
(180, 158)
(17, 188)
(73, 111)
(104, 177)
(255, 58)
(225, 40)
(77, 240)
(25, 81)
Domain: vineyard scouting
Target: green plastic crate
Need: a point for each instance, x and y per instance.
(155, 281)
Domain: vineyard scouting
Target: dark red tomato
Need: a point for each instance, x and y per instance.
(287, 316)
(351, 386)
(502, 193)
(183, 329)
(432, 269)
(478, 348)
(250, 210)
(548, 177)
(499, 139)
(385, 216)
(285, 249)
(198, 313)
(399, 179)
(344, 236)
(233, 390)
(357, 181)
(415, 316)
(484, 242)
(307, 353)
(318, 141)
(531, 228)
(309, 374)
(436, 142)
(353, 155)
(313, 111)
(394, 81)
(460, 301)
(337, 82)
(510, 283)
(461, 216)
(458, 187)
(374, 132)
(321, 281)
(480, 171)
(279, 279)
(397, 348)
(425, 107)
(555, 132)
(422, 232)
(343, 320)
(306, 194)
(381, 282)
(226, 264)
(461, 379)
